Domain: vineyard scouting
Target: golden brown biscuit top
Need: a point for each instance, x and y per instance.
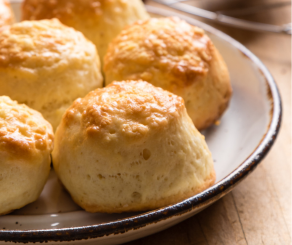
(65, 10)
(6, 15)
(167, 44)
(23, 131)
(128, 109)
(40, 44)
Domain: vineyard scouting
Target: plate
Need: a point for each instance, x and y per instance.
(246, 133)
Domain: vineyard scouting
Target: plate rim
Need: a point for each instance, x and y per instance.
(204, 198)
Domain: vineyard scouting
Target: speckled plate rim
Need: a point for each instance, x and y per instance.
(202, 199)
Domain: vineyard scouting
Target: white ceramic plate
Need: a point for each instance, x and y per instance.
(246, 133)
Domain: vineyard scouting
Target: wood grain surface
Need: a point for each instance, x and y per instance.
(258, 211)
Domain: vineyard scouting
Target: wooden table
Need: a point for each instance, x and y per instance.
(258, 211)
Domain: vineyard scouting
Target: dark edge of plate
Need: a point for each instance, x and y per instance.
(202, 199)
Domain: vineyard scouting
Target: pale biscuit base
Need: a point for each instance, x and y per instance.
(130, 147)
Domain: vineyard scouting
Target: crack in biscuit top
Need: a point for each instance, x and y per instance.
(126, 109)
(40, 44)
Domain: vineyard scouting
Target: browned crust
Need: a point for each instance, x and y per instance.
(168, 39)
(23, 131)
(64, 10)
(131, 101)
(27, 44)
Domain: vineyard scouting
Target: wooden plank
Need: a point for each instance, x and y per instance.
(259, 210)
(278, 165)
(221, 224)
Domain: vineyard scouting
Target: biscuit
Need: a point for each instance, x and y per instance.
(130, 147)
(26, 141)
(47, 65)
(6, 14)
(99, 20)
(176, 56)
